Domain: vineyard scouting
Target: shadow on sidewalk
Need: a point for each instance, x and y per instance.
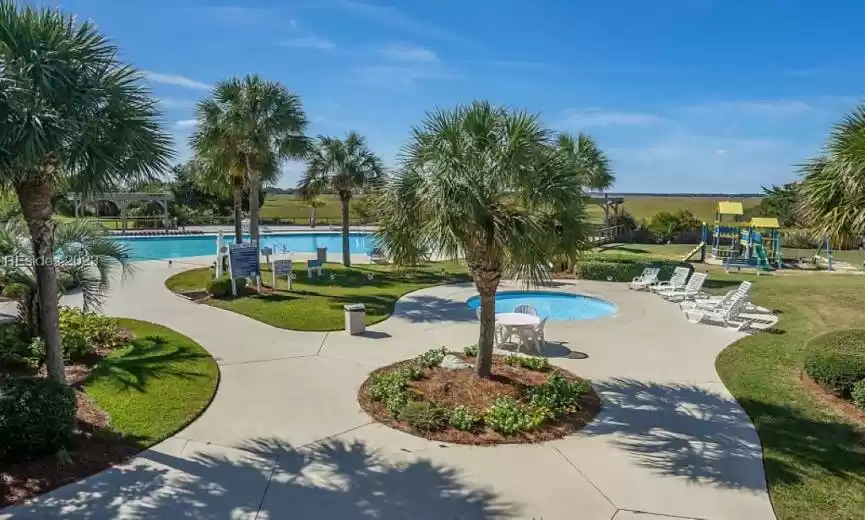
(690, 432)
(333, 480)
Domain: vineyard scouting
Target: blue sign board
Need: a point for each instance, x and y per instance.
(243, 259)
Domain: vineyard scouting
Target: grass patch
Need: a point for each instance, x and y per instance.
(317, 304)
(814, 455)
(154, 386)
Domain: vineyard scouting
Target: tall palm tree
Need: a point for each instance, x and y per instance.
(832, 191)
(345, 167)
(488, 184)
(253, 124)
(313, 201)
(74, 117)
(86, 257)
(587, 160)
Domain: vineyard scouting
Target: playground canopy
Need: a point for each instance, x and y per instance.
(730, 208)
(765, 222)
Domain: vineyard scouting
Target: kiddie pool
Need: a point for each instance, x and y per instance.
(555, 306)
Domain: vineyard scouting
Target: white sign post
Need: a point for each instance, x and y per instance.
(280, 268)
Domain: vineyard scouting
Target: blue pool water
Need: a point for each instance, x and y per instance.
(553, 305)
(160, 247)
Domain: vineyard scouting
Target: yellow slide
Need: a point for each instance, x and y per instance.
(694, 251)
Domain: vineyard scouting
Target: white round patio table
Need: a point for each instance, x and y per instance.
(509, 321)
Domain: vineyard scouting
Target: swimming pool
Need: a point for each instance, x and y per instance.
(161, 247)
(553, 305)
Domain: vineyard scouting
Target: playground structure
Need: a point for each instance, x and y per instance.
(735, 243)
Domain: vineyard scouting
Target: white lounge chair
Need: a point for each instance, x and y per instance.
(691, 291)
(729, 316)
(716, 303)
(648, 278)
(677, 281)
(526, 309)
(533, 336)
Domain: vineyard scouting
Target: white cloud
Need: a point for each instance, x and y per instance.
(173, 79)
(761, 108)
(721, 151)
(398, 76)
(594, 117)
(176, 103)
(387, 15)
(408, 53)
(309, 42)
(187, 123)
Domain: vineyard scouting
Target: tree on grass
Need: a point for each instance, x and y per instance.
(313, 201)
(88, 259)
(832, 190)
(781, 202)
(667, 225)
(246, 129)
(346, 167)
(74, 118)
(487, 184)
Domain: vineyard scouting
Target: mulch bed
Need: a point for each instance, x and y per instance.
(94, 447)
(834, 402)
(450, 388)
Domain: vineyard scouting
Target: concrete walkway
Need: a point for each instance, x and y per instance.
(285, 439)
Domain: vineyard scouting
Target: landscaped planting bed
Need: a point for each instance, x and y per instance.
(131, 384)
(525, 400)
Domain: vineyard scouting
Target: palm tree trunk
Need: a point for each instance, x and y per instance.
(35, 199)
(487, 282)
(238, 212)
(254, 211)
(346, 246)
(312, 217)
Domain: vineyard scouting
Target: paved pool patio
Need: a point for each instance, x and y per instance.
(285, 438)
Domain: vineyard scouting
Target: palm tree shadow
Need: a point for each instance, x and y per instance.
(332, 479)
(696, 434)
(145, 358)
(424, 308)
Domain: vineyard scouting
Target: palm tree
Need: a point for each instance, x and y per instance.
(74, 117)
(487, 184)
(587, 160)
(252, 125)
(314, 202)
(85, 256)
(832, 191)
(344, 167)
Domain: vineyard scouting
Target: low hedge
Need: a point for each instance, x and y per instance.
(37, 416)
(221, 287)
(622, 269)
(836, 360)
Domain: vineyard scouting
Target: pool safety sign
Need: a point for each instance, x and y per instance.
(243, 262)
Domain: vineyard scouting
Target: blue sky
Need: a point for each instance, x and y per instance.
(685, 95)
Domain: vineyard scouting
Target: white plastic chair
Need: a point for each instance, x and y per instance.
(526, 309)
(729, 316)
(499, 330)
(719, 303)
(648, 278)
(533, 336)
(691, 290)
(677, 281)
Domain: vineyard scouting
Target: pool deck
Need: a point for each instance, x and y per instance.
(285, 437)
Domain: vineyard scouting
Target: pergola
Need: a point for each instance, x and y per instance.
(609, 202)
(122, 201)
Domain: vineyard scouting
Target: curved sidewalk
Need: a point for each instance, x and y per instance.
(285, 438)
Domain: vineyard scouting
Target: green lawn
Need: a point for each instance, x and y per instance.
(155, 386)
(702, 207)
(317, 304)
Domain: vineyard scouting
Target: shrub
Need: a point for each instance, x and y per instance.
(836, 360)
(858, 394)
(37, 416)
(432, 357)
(559, 395)
(463, 419)
(219, 287)
(507, 416)
(422, 415)
(621, 268)
(83, 333)
(538, 364)
(471, 350)
(15, 291)
(391, 387)
(14, 349)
